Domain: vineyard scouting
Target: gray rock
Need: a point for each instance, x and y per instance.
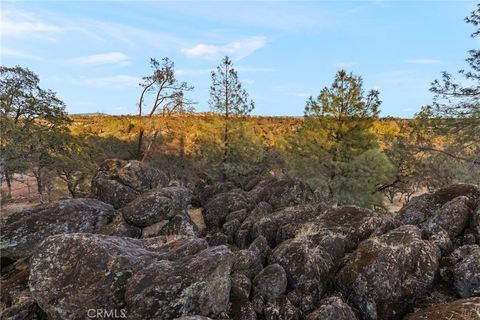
(219, 206)
(24, 230)
(120, 228)
(270, 283)
(118, 182)
(241, 286)
(72, 273)
(194, 285)
(157, 205)
(332, 308)
(248, 263)
(386, 274)
(462, 267)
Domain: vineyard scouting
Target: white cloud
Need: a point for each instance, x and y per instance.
(6, 52)
(103, 58)
(423, 61)
(236, 49)
(22, 23)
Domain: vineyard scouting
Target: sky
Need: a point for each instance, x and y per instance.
(94, 53)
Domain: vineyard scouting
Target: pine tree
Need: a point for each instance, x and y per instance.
(228, 98)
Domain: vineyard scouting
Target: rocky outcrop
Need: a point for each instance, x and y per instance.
(386, 274)
(332, 308)
(420, 208)
(117, 273)
(462, 268)
(270, 283)
(118, 182)
(24, 230)
(157, 205)
(219, 206)
(464, 309)
(198, 284)
(120, 228)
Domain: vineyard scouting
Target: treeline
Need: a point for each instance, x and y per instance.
(340, 147)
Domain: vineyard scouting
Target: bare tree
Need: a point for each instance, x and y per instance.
(168, 95)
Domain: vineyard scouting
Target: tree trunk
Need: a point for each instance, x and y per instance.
(139, 145)
(9, 184)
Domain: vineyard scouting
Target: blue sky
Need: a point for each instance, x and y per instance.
(93, 53)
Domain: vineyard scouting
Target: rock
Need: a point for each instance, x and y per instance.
(309, 261)
(354, 223)
(216, 239)
(179, 225)
(241, 286)
(14, 283)
(118, 182)
(268, 226)
(230, 228)
(72, 273)
(420, 208)
(464, 309)
(153, 230)
(453, 217)
(193, 318)
(270, 283)
(219, 206)
(248, 263)
(157, 205)
(24, 309)
(475, 224)
(462, 267)
(23, 231)
(281, 309)
(332, 308)
(242, 310)
(120, 228)
(261, 247)
(386, 274)
(195, 285)
(203, 193)
(281, 193)
(244, 236)
(239, 215)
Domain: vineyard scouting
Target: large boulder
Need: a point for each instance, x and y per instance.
(420, 208)
(464, 309)
(453, 217)
(120, 228)
(332, 308)
(386, 274)
(118, 181)
(24, 230)
(270, 283)
(195, 285)
(157, 205)
(281, 193)
(219, 206)
(248, 263)
(72, 273)
(269, 225)
(462, 268)
(475, 224)
(309, 260)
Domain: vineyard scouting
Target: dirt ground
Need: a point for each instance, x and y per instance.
(24, 195)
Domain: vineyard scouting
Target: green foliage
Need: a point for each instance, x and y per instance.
(247, 153)
(336, 143)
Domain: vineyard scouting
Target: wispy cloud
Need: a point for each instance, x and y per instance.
(23, 23)
(423, 61)
(6, 52)
(103, 58)
(236, 49)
